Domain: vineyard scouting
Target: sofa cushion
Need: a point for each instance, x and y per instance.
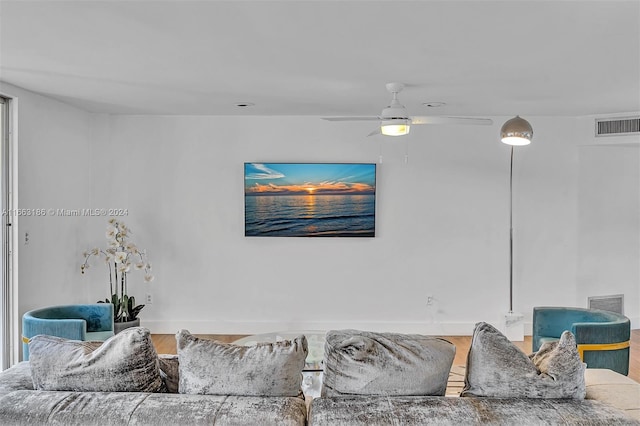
(18, 377)
(153, 409)
(214, 368)
(614, 389)
(368, 363)
(127, 362)
(498, 368)
(169, 370)
(431, 410)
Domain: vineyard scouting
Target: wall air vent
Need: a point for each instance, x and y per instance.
(617, 126)
(614, 303)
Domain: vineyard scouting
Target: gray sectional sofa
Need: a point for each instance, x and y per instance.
(378, 379)
(370, 379)
(124, 382)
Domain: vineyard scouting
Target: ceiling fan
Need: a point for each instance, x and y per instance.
(396, 121)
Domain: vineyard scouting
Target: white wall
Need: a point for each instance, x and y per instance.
(53, 172)
(609, 219)
(442, 225)
(442, 221)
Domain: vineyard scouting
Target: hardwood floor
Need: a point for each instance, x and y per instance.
(634, 357)
(166, 344)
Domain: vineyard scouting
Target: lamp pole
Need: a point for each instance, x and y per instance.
(511, 233)
(514, 132)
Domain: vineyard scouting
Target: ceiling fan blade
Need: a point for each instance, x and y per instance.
(618, 144)
(351, 118)
(375, 132)
(451, 120)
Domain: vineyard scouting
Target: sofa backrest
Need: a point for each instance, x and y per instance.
(367, 363)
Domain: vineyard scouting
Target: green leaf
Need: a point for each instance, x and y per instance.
(133, 313)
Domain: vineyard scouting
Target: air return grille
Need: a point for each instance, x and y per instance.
(618, 126)
(614, 303)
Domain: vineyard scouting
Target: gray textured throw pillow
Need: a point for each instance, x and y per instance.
(367, 363)
(214, 368)
(126, 362)
(498, 368)
(169, 370)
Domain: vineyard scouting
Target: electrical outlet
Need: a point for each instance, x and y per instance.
(430, 300)
(149, 299)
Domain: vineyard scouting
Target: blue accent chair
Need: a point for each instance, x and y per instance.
(76, 322)
(602, 336)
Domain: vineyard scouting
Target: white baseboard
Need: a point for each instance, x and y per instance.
(256, 327)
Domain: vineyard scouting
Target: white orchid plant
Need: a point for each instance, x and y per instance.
(120, 257)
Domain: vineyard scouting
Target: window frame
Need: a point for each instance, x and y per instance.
(9, 324)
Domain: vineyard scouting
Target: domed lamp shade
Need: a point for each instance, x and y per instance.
(516, 131)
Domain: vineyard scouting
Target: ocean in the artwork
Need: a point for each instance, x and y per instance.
(313, 215)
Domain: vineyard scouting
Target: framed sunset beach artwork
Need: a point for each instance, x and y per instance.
(310, 199)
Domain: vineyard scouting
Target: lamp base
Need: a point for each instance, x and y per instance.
(513, 326)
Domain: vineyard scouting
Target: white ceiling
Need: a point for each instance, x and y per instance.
(326, 58)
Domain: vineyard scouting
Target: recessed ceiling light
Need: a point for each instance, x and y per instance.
(434, 104)
(244, 104)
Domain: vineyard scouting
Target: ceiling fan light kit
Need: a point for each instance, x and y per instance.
(395, 127)
(396, 121)
(516, 131)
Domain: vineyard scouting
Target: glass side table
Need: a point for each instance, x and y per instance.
(313, 366)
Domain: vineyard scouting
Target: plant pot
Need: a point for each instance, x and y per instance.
(119, 326)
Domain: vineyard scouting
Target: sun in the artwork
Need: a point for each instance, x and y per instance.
(310, 189)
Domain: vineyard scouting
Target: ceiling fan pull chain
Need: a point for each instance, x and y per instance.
(380, 155)
(406, 151)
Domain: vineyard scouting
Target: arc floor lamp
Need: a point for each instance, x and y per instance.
(514, 132)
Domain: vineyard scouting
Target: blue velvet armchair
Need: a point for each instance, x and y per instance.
(77, 322)
(602, 336)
